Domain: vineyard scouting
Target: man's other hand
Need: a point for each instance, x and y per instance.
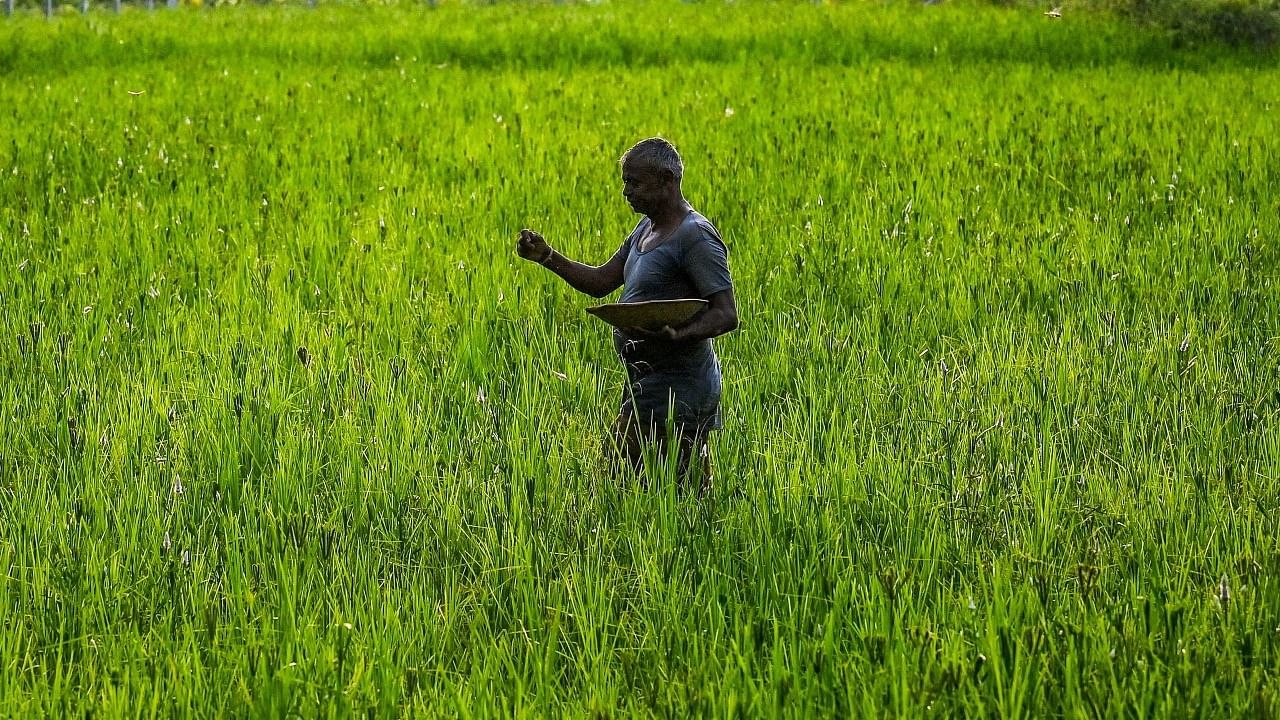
(532, 247)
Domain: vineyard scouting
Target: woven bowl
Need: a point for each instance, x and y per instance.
(650, 315)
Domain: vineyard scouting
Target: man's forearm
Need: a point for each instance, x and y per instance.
(712, 323)
(581, 277)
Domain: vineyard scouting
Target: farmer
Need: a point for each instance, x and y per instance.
(673, 373)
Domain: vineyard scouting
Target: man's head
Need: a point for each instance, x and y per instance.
(651, 173)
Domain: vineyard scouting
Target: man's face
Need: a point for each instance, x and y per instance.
(645, 188)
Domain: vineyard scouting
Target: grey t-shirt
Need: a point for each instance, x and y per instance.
(683, 376)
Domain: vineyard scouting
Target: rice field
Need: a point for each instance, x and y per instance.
(288, 430)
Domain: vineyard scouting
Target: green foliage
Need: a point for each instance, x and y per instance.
(1248, 23)
(1253, 23)
(289, 430)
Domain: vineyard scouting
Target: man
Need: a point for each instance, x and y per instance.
(673, 393)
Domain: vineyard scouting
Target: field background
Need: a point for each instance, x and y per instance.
(288, 429)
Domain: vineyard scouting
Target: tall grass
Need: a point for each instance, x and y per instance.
(288, 429)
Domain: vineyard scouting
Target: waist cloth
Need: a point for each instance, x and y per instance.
(667, 379)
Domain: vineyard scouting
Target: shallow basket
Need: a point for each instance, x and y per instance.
(650, 315)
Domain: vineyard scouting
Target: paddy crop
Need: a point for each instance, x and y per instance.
(287, 427)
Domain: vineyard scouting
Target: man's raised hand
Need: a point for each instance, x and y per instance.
(532, 247)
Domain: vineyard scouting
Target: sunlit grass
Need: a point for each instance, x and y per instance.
(287, 426)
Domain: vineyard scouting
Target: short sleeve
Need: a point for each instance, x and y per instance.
(706, 261)
(625, 248)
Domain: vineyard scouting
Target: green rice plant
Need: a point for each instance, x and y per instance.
(289, 429)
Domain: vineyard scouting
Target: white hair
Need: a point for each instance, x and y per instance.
(657, 154)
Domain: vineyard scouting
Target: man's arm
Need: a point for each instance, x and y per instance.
(719, 318)
(596, 281)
